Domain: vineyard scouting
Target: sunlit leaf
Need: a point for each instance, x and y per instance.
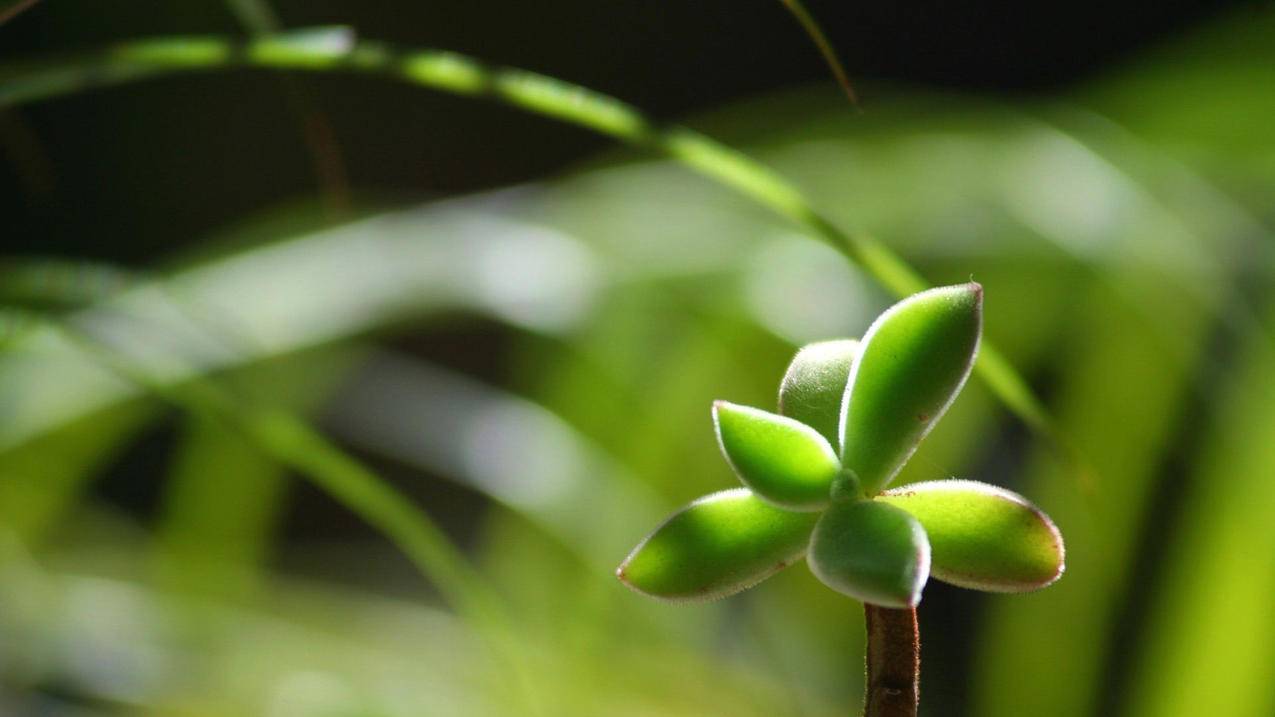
(913, 361)
(983, 537)
(815, 383)
(717, 546)
(871, 551)
(781, 460)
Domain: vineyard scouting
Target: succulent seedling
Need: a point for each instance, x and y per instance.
(815, 475)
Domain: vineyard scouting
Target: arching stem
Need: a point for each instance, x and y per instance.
(893, 685)
(330, 49)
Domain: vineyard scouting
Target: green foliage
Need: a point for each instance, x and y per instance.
(914, 360)
(334, 48)
(782, 460)
(815, 383)
(890, 391)
(1085, 214)
(717, 546)
(871, 551)
(983, 537)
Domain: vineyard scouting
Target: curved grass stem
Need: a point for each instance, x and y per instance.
(335, 49)
(821, 42)
(14, 8)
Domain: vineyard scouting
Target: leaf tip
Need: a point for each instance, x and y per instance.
(721, 406)
(985, 537)
(1060, 548)
(969, 294)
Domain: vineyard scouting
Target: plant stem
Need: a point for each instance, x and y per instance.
(15, 9)
(829, 53)
(893, 685)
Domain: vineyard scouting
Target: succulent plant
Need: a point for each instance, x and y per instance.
(816, 474)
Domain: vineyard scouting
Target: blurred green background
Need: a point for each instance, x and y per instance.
(241, 305)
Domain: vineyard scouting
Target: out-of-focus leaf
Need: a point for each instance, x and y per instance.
(717, 546)
(1121, 398)
(224, 495)
(783, 461)
(912, 363)
(1207, 647)
(42, 478)
(221, 499)
(10, 9)
(815, 384)
(257, 16)
(1223, 127)
(47, 283)
(174, 329)
(324, 48)
(983, 537)
(872, 552)
(512, 450)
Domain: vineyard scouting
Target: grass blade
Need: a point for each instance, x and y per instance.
(294, 444)
(328, 49)
(826, 50)
(13, 8)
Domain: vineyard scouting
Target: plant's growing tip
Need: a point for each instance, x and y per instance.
(851, 413)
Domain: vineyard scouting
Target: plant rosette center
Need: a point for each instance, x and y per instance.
(816, 478)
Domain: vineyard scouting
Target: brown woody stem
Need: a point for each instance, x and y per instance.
(893, 686)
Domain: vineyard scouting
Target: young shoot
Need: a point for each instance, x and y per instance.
(817, 477)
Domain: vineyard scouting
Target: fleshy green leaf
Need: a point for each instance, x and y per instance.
(815, 384)
(783, 461)
(912, 363)
(871, 551)
(717, 546)
(983, 537)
